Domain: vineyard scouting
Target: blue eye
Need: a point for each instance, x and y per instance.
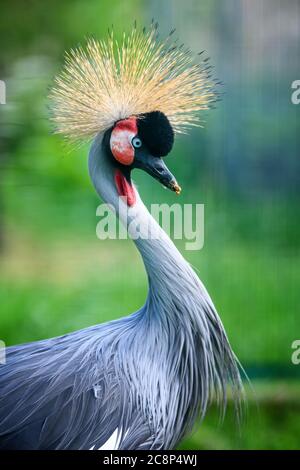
(136, 142)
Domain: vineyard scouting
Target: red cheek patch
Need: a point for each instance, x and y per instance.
(124, 188)
(128, 124)
(120, 140)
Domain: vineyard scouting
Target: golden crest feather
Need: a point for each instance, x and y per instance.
(106, 81)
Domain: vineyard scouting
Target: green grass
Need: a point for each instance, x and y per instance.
(257, 298)
(271, 421)
(67, 287)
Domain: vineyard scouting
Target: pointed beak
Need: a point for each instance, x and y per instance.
(156, 167)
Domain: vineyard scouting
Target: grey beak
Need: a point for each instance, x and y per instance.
(156, 167)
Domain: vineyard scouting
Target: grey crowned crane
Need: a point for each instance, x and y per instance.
(139, 382)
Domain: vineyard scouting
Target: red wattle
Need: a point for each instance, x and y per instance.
(124, 188)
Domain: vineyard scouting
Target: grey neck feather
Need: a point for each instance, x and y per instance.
(163, 262)
(181, 326)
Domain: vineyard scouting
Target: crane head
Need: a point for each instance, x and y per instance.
(138, 93)
(141, 142)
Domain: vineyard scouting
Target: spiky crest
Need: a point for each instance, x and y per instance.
(108, 80)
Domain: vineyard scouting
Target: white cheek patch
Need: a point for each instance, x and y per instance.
(121, 139)
(121, 147)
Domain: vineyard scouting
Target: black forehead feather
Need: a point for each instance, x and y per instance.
(156, 133)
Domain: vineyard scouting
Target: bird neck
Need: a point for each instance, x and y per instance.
(164, 264)
(181, 334)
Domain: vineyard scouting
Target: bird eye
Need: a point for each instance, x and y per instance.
(136, 142)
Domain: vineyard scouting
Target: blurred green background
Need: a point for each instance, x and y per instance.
(56, 276)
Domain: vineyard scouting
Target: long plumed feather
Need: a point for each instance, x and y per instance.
(108, 80)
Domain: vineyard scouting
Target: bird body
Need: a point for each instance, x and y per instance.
(142, 379)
